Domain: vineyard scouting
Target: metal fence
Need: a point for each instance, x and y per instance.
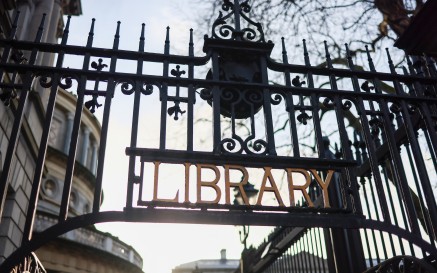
(381, 126)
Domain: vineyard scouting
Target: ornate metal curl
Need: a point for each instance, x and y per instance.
(45, 81)
(222, 30)
(128, 87)
(66, 82)
(346, 105)
(328, 103)
(276, 99)
(229, 145)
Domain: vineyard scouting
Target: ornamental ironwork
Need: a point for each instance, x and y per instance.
(371, 177)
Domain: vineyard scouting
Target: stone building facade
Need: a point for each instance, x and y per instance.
(81, 250)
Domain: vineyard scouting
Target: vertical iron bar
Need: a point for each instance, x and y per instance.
(163, 96)
(375, 205)
(105, 124)
(310, 248)
(370, 217)
(191, 96)
(36, 184)
(135, 121)
(417, 154)
(391, 198)
(216, 93)
(397, 162)
(267, 107)
(426, 216)
(344, 139)
(18, 117)
(68, 181)
(290, 105)
(315, 105)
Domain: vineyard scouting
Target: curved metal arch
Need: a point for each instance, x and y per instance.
(211, 217)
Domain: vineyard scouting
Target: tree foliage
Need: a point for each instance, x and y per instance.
(376, 23)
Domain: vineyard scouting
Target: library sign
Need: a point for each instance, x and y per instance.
(221, 181)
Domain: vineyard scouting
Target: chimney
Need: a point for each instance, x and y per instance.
(223, 255)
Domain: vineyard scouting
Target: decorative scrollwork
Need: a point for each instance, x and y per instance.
(296, 82)
(177, 72)
(375, 125)
(45, 81)
(92, 104)
(259, 146)
(98, 66)
(346, 105)
(303, 117)
(328, 103)
(366, 87)
(227, 5)
(66, 82)
(222, 30)
(236, 145)
(403, 264)
(229, 145)
(206, 94)
(245, 6)
(395, 108)
(276, 99)
(30, 264)
(175, 110)
(146, 89)
(128, 87)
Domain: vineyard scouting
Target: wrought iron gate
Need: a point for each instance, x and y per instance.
(374, 177)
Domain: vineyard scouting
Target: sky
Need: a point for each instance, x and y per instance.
(162, 246)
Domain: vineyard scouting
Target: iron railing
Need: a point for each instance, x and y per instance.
(383, 126)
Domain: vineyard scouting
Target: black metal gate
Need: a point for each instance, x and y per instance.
(368, 187)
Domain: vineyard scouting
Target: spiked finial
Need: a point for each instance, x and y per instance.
(305, 53)
(167, 42)
(191, 44)
(142, 38)
(66, 31)
(390, 62)
(349, 57)
(91, 33)
(369, 60)
(328, 56)
(40, 29)
(117, 36)
(284, 52)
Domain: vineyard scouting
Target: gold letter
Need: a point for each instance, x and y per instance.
(155, 189)
(229, 184)
(211, 184)
(187, 183)
(273, 188)
(324, 185)
(302, 188)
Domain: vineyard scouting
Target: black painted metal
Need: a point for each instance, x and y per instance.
(383, 205)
